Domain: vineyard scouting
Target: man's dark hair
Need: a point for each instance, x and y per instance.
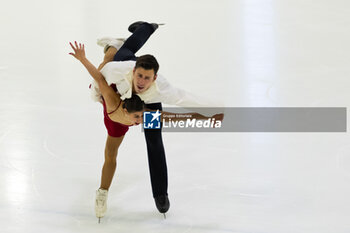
(134, 104)
(147, 62)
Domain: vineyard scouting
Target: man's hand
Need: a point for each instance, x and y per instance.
(218, 117)
(79, 51)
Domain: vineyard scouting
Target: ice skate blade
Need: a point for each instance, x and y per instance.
(99, 220)
(164, 215)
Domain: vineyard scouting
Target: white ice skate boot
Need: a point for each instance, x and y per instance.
(107, 42)
(101, 203)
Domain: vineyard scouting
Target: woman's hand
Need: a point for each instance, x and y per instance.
(79, 54)
(79, 51)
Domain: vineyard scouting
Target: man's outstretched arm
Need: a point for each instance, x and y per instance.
(169, 94)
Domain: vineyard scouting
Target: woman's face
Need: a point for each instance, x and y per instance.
(135, 117)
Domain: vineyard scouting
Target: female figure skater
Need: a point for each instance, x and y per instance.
(118, 117)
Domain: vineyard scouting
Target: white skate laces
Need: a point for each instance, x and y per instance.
(107, 42)
(101, 203)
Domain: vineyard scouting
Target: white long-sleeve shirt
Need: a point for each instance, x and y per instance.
(120, 73)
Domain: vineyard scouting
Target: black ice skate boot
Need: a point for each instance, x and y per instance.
(162, 203)
(133, 26)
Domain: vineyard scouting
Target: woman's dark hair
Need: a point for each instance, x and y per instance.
(148, 62)
(134, 104)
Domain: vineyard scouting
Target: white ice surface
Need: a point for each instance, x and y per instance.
(247, 53)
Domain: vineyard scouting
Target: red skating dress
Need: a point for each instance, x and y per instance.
(114, 129)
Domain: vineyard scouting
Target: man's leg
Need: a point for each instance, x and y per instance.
(134, 43)
(130, 46)
(157, 164)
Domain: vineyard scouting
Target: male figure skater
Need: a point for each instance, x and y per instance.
(118, 68)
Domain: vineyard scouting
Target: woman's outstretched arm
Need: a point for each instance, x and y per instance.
(79, 54)
(111, 98)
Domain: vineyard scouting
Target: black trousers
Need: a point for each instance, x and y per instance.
(154, 141)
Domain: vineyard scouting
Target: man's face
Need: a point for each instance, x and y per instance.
(142, 79)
